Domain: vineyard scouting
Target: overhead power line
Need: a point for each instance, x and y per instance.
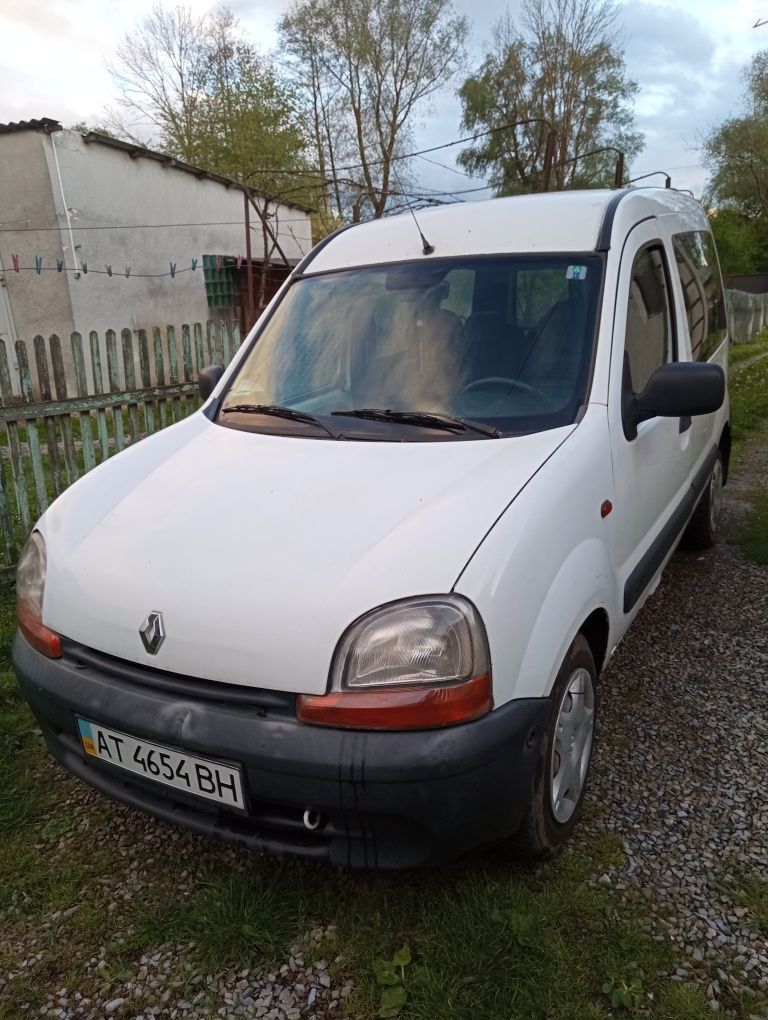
(404, 155)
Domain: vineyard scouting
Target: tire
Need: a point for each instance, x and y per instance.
(704, 527)
(552, 812)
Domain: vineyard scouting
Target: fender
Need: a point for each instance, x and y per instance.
(547, 564)
(585, 582)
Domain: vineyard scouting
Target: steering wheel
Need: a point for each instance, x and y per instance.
(502, 382)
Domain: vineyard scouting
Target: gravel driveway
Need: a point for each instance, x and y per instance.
(680, 777)
(682, 761)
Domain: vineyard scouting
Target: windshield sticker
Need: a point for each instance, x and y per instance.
(576, 272)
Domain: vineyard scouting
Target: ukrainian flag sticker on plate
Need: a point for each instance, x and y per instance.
(86, 735)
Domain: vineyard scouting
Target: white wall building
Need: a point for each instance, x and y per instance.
(89, 199)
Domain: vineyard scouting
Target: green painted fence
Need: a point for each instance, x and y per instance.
(69, 407)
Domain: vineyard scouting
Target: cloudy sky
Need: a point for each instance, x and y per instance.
(684, 54)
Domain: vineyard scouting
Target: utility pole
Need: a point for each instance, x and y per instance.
(249, 268)
(619, 178)
(549, 156)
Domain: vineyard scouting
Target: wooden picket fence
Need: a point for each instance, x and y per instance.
(52, 436)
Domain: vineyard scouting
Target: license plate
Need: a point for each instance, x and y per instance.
(200, 776)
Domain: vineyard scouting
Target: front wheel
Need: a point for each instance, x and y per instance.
(564, 757)
(704, 526)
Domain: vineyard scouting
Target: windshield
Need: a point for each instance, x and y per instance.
(503, 341)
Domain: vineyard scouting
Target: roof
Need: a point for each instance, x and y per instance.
(563, 221)
(44, 124)
(47, 124)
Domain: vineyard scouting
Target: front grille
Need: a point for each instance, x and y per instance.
(267, 701)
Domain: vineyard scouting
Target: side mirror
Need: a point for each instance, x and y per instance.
(676, 390)
(208, 379)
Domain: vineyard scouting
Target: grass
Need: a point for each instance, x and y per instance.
(750, 892)
(743, 352)
(749, 412)
(749, 401)
(753, 536)
(234, 919)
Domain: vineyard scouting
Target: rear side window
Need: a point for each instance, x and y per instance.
(649, 338)
(702, 290)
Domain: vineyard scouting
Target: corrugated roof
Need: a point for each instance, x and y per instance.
(141, 152)
(43, 124)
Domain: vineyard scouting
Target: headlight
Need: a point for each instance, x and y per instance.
(30, 585)
(415, 664)
(420, 641)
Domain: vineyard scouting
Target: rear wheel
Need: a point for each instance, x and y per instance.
(564, 758)
(704, 526)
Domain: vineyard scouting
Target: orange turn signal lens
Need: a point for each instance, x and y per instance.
(37, 634)
(415, 708)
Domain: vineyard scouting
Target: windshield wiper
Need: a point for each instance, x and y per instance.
(279, 411)
(425, 419)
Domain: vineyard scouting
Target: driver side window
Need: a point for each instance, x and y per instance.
(649, 339)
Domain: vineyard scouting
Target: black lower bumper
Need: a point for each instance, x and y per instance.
(387, 799)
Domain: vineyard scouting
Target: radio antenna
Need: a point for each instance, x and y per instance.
(427, 248)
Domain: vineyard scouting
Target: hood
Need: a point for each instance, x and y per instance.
(260, 550)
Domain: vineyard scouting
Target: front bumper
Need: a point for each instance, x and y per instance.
(388, 799)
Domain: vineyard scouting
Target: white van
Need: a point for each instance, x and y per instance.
(355, 609)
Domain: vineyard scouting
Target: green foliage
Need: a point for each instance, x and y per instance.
(561, 63)
(206, 95)
(737, 150)
(742, 240)
(624, 990)
(251, 124)
(391, 975)
(737, 154)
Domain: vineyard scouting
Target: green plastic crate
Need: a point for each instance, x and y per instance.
(219, 283)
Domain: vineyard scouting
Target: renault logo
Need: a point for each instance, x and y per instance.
(152, 632)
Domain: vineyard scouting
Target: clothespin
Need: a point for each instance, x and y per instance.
(239, 262)
(194, 265)
(173, 269)
(109, 270)
(38, 264)
(85, 266)
(16, 266)
(59, 265)
(219, 263)
(127, 272)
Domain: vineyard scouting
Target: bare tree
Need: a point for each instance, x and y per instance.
(160, 70)
(383, 59)
(205, 94)
(560, 66)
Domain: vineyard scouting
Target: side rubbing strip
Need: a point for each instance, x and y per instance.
(646, 569)
(606, 227)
